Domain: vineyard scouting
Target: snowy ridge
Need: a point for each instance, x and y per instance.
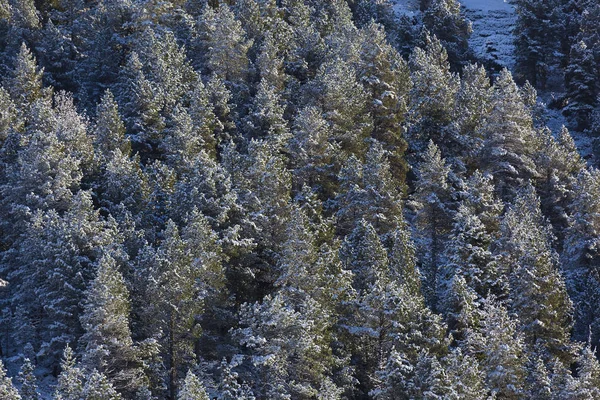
(493, 22)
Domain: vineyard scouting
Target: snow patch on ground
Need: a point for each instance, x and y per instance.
(488, 5)
(406, 7)
(493, 22)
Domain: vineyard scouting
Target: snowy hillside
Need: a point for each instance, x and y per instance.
(492, 38)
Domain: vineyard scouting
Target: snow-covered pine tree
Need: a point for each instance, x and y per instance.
(580, 256)
(29, 388)
(224, 45)
(98, 387)
(500, 350)
(582, 87)
(444, 19)
(471, 108)
(24, 82)
(535, 40)
(192, 388)
(433, 94)
(432, 202)
(70, 380)
(109, 130)
(386, 77)
(345, 106)
(368, 190)
(509, 141)
(107, 344)
(313, 155)
(538, 292)
(7, 389)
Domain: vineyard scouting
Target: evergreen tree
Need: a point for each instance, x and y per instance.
(470, 255)
(313, 155)
(510, 142)
(535, 40)
(109, 132)
(229, 387)
(433, 94)
(588, 371)
(97, 387)
(25, 81)
(472, 106)
(369, 191)
(433, 215)
(224, 44)
(500, 349)
(70, 381)
(192, 388)
(539, 380)
(29, 389)
(58, 257)
(386, 77)
(581, 83)
(7, 390)
(538, 292)
(108, 344)
(443, 19)
(580, 256)
(465, 376)
(344, 102)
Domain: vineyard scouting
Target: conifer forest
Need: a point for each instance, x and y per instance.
(299, 199)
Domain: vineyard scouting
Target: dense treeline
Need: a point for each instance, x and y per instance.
(291, 199)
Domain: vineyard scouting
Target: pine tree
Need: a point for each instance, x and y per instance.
(444, 19)
(559, 164)
(499, 348)
(535, 40)
(58, 254)
(264, 192)
(29, 389)
(70, 381)
(433, 94)
(229, 387)
(472, 106)
(109, 132)
(509, 139)
(386, 77)
(265, 118)
(580, 255)
(108, 344)
(470, 255)
(7, 390)
(178, 276)
(466, 378)
(539, 380)
(192, 388)
(433, 215)
(588, 370)
(344, 102)
(25, 81)
(202, 112)
(97, 387)
(275, 333)
(369, 191)
(225, 44)
(313, 155)
(403, 261)
(581, 83)
(140, 100)
(538, 292)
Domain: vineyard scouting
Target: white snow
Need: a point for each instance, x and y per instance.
(488, 5)
(406, 7)
(493, 22)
